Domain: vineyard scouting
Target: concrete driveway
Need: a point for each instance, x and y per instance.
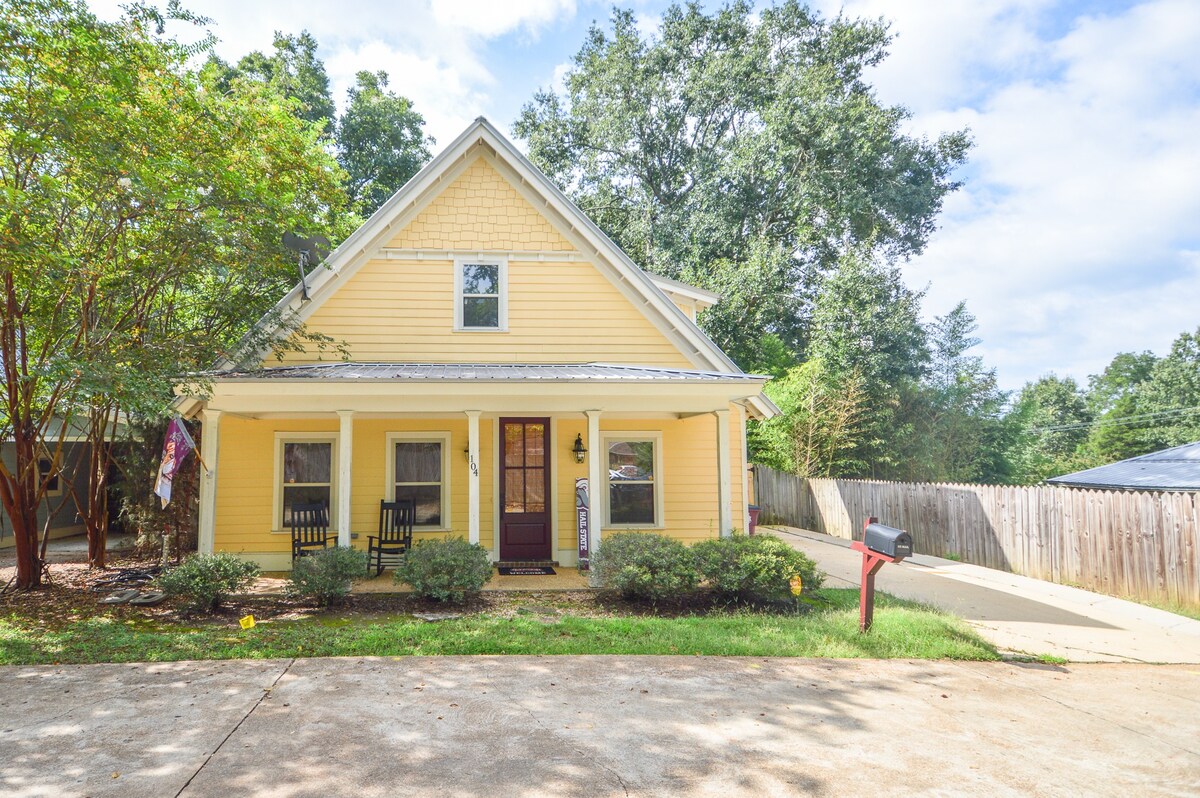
(1016, 613)
(597, 726)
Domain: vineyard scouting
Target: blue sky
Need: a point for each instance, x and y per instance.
(1077, 232)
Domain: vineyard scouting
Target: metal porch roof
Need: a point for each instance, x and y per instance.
(483, 372)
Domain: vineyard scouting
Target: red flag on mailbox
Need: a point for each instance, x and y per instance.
(176, 447)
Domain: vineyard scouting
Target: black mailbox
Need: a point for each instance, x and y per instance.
(888, 540)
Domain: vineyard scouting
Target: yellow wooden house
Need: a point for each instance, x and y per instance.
(500, 348)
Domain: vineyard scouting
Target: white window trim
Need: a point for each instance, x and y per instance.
(389, 485)
(612, 436)
(304, 437)
(502, 316)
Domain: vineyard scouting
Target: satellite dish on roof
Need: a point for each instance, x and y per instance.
(312, 249)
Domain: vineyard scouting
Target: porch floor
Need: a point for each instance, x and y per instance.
(273, 582)
(563, 579)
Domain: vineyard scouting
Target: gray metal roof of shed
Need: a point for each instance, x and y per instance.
(1170, 469)
(483, 372)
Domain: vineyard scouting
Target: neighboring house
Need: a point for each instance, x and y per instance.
(65, 473)
(1175, 469)
(489, 325)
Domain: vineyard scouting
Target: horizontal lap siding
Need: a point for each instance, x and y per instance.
(370, 475)
(568, 472)
(246, 481)
(689, 478)
(558, 312)
(246, 474)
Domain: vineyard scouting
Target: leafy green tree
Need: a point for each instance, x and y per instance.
(139, 235)
(819, 426)
(1120, 379)
(867, 323)
(955, 413)
(380, 142)
(743, 151)
(1114, 398)
(292, 70)
(1172, 395)
(1051, 420)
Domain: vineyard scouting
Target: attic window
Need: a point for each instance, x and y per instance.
(481, 294)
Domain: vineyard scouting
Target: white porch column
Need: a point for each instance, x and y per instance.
(745, 470)
(596, 484)
(473, 475)
(209, 450)
(723, 488)
(345, 457)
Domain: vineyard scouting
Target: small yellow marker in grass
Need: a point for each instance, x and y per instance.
(797, 585)
(247, 622)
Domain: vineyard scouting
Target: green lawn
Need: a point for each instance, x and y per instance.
(902, 630)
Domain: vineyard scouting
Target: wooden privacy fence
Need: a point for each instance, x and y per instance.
(1142, 544)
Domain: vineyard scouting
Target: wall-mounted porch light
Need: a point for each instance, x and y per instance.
(578, 450)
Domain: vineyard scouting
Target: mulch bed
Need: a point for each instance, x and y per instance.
(68, 597)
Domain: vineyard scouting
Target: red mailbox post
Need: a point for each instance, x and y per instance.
(880, 544)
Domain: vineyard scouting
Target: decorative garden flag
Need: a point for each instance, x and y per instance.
(176, 447)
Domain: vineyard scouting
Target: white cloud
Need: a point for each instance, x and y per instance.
(492, 18)
(1074, 236)
(443, 92)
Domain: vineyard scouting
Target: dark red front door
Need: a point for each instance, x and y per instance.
(525, 489)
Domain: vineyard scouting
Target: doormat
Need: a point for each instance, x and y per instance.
(526, 570)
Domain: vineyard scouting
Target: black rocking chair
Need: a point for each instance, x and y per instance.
(395, 534)
(310, 528)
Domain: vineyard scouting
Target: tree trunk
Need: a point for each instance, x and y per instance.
(101, 422)
(96, 516)
(18, 494)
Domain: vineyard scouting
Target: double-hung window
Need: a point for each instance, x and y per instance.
(419, 470)
(305, 474)
(634, 494)
(481, 294)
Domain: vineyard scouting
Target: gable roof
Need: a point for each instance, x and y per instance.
(640, 287)
(1170, 469)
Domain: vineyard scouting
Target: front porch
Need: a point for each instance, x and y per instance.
(497, 464)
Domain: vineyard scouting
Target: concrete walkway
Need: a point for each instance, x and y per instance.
(1016, 613)
(597, 726)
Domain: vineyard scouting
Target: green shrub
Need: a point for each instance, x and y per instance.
(757, 568)
(203, 581)
(645, 566)
(445, 570)
(326, 575)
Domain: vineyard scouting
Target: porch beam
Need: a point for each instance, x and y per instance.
(724, 514)
(473, 475)
(210, 450)
(596, 486)
(345, 477)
